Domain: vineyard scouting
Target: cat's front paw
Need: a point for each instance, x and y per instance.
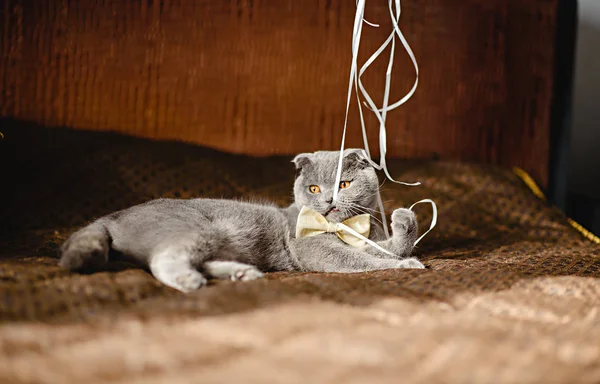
(404, 221)
(410, 263)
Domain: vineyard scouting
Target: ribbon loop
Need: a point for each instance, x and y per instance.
(433, 216)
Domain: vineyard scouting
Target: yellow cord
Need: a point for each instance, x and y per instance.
(529, 182)
(587, 234)
(538, 192)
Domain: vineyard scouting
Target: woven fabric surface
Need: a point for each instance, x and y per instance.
(512, 292)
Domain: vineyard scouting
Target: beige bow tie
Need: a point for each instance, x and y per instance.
(312, 223)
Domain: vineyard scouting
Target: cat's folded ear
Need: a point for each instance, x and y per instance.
(356, 158)
(302, 160)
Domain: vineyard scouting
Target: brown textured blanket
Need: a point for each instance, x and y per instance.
(512, 294)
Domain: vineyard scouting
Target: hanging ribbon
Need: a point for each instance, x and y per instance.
(380, 113)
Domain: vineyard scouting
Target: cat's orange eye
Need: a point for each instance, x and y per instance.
(344, 184)
(314, 189)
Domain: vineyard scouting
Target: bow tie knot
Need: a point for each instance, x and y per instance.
(312, 223)
(332, 227)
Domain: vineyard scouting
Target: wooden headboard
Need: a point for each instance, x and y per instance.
(270, 76)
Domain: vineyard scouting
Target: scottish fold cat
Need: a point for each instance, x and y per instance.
(185, 241)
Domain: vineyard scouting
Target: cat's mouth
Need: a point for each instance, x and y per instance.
(331, 210)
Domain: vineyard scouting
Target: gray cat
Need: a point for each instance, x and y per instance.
(182, 241)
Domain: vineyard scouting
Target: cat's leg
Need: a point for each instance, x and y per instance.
(87, 248)
(320, 254)
(405, 230)
(404, 234)
(373, 263)
(174, 266)
(231, 270)
(351, 261)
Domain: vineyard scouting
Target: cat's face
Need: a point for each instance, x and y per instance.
(315, 182)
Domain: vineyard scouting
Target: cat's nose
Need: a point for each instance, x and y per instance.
(329, 201)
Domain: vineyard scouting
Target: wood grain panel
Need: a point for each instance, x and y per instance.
(270, 76)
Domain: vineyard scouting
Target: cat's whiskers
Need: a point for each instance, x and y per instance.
(359, 210)
(375, 193)
(356, 209)
(365, 210)
(355, 205)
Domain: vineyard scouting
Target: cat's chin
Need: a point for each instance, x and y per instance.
(335, 216)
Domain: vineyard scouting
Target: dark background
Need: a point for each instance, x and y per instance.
(584, 178)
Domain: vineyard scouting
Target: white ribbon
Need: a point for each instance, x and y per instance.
(433, 217)
(380, 114)
(370, 242)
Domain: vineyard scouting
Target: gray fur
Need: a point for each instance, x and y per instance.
(182, 241)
